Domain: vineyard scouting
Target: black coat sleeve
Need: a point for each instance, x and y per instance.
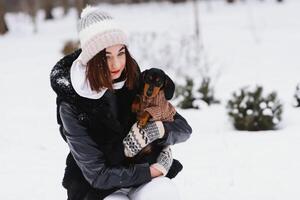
(176, 131)
(91, 160)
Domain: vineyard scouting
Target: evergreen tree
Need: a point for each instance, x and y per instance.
(251, 111)
(297, 96)
(207, 92)
(186, 94)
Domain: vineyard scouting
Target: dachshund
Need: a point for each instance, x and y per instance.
(156, 88)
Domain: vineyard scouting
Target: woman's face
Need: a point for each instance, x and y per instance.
(116, 60)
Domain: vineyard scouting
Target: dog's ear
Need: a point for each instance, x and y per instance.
(143, 76)
(142, 80)
(169, 87)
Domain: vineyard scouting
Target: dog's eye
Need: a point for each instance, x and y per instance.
(149, 78)
(159, 83)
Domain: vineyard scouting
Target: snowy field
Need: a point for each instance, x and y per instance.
(251, 43)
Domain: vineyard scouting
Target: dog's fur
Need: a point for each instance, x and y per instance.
(151, 104)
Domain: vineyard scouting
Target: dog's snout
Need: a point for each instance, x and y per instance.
(149, 91)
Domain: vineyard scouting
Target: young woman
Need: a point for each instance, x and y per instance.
(95, 87)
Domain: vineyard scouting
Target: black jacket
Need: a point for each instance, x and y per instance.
(87, 125)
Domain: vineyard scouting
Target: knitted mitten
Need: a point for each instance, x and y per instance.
(164, 160)
(138, 138)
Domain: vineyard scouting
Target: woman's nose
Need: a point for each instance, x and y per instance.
(115, 64)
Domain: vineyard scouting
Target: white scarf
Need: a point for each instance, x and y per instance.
(81, 84)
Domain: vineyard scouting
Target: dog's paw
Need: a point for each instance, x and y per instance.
(142, 123)
(143, 119)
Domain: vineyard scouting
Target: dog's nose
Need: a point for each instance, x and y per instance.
(149, 91)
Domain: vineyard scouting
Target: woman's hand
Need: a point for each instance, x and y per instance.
(155, 172)
(164, 161)
(163, 164)
(138, 138)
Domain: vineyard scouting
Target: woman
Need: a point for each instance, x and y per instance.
(95, 87)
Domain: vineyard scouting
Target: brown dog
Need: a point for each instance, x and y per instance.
(151, 103)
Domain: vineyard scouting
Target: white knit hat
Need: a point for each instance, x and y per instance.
(98, 30)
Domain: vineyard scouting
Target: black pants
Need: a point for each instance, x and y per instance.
(79, 189)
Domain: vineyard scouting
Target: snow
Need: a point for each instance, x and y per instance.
(249, 112)
(275, 120)
(267, 112)
(235, 111)
(253, 43)
(270, 104)
(63, 81)
(263, 105)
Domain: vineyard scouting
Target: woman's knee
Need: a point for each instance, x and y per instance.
(158, 188)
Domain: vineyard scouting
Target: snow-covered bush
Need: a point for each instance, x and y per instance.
(182, 55)
(297, 96)
(206, 91)
(250, 110)
(189, 97)
(185, 95)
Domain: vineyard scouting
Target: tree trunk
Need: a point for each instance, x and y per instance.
(48, 6)
(80, 4)
(230, 1)
(3, 26)
(197, 25)
(31, 7)
(66, 6)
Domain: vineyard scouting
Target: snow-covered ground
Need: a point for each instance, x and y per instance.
(252, 43)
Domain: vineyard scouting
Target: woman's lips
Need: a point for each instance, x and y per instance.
(114, 72)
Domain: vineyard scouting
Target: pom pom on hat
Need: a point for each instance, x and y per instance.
(88, 10)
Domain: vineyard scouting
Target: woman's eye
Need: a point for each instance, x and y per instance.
(121, 53)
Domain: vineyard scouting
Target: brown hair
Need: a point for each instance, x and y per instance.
(98, 74)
